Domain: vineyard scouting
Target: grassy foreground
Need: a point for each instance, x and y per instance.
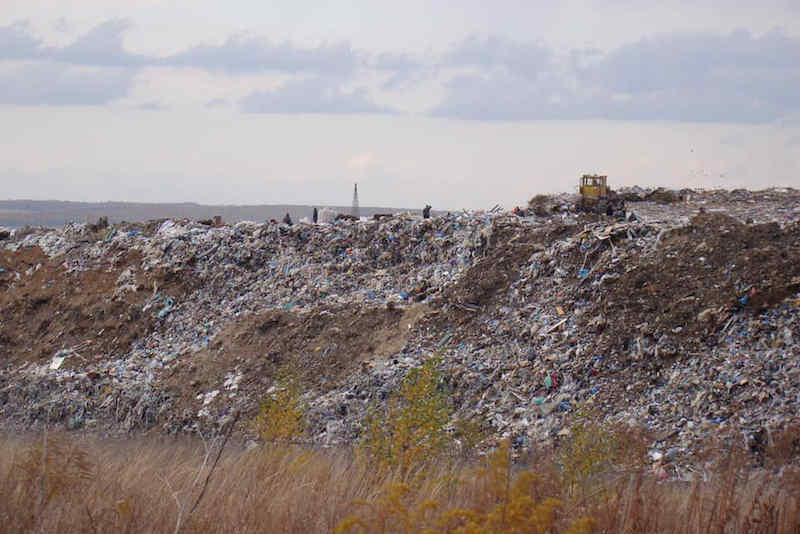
(66, 483)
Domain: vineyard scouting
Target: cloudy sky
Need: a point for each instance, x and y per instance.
(456, 104)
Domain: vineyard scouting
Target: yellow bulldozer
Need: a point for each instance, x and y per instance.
(597, 197)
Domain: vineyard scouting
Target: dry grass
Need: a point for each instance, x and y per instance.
(73, 484)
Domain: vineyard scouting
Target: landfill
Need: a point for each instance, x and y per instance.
(682, 318)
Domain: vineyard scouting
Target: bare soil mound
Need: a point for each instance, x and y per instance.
(319, 347)
(47, 309)
(682, 296)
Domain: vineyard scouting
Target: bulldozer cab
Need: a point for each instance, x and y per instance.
(593, 187)
(596, 197)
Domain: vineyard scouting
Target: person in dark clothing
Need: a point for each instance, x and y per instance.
(287, 219)
(426, 212)
(314, 216)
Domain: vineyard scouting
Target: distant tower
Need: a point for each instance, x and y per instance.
(355, 211)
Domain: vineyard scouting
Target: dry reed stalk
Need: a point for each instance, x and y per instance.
(294, 490)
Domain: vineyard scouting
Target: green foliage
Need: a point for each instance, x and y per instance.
(411, 428)
(282, 415)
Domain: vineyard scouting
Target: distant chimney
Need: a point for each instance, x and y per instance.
(355, 211)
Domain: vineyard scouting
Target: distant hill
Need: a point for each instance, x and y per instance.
(52, 213)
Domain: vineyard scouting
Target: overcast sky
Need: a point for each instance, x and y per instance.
(456, 104)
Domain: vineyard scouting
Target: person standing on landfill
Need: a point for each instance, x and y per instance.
(426, 211)
(287, 219)
(314, 216)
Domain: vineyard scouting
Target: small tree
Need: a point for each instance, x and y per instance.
(411, 428)
(594, 449)
(282, 415)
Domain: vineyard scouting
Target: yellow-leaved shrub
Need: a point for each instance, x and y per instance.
(282, 414)
(502, 503)
(411, 428)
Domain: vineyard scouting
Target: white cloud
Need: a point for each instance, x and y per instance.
(216, 103)
(525, 59)
(17, 42)
(48, 83)
(244, 54)
(688, 77)
(311, 95)
(700, 76)
(102, 46)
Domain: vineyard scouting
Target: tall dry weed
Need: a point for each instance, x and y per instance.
(76, 484)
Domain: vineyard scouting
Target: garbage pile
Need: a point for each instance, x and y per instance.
(684, 319)
(182, 282)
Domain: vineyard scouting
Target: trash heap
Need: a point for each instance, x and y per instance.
(223, 273)
(683, 319)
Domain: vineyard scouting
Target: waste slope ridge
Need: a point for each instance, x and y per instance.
(47, 310)
(687, 326)
(227, 274)
(319, 347)
(689, 332)
(700, 275)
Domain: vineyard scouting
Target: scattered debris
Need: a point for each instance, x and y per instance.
(683, 320)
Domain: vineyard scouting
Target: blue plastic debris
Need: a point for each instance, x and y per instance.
(110, 235)
(169, 305)
(583, 273)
